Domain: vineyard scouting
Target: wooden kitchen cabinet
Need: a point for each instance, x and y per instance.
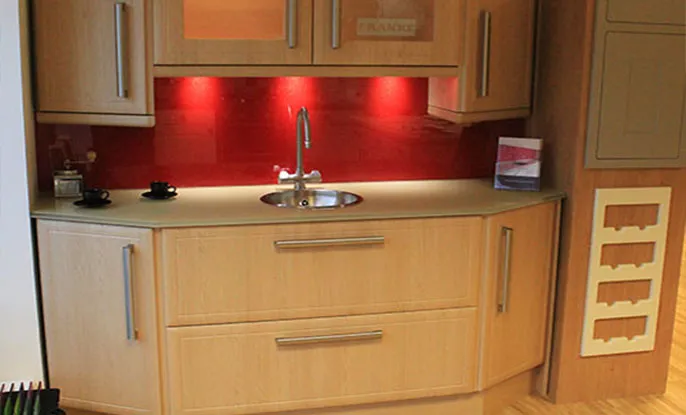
(95, 60)
(495, 80)
(517, 285)
(219, 32)
(637, 110)
(84, 270)
(92, 62)
(388, 32)
(272, 318)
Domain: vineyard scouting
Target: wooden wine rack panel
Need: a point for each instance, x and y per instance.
(599, 273)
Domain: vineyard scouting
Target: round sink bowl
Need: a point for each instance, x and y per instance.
(311, 199)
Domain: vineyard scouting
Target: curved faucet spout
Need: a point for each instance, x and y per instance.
(303, 137)
(303, 126)
(303, 123)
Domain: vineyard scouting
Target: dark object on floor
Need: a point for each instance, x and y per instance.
(21, 399)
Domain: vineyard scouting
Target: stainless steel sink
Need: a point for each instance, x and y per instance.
(311, 199)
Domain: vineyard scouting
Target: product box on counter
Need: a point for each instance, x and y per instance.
(519, 164)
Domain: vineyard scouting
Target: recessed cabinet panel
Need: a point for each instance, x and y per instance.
(494, 82)
(221, 19)
(91, 57)
(499, 55)
(670, 12)
(389, 32)
(642, 97)
(97, 282)
(220, 32)
(516, 291)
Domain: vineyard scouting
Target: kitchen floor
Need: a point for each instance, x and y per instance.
(673, 402)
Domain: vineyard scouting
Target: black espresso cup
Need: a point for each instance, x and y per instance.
(161, 188)
(95, 195)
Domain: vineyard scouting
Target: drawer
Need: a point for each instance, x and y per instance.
(301, 364)
(668, 12)
(259, 273)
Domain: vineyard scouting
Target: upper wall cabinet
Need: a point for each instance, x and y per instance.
(280, 32)
(220, 32)
(94, 59)
(388, 32)
(494, 82)
(637, 111)
(92, 62)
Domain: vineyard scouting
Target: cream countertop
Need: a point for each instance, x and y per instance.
(240, 205)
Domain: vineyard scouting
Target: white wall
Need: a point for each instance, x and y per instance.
(20, 357)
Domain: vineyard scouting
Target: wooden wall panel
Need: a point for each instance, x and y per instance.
(561, 103)
(585, 379)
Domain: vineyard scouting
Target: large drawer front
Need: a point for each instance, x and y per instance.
(669, 12)
(235, 274)
(242, 369)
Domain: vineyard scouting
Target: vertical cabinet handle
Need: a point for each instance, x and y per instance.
(291, 23)
(485, 54)
(335, 24)
(127, 261)
(506, 259)
(120, 31)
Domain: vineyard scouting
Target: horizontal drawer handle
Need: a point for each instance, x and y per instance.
(332, 338)
(319, 243)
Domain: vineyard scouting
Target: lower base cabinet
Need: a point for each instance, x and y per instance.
(374, 353)
(318, 363)
(99, 295)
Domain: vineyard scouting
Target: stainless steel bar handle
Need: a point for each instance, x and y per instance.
(484, 86)
(332, 338)
(329, 242)
(120, 31)
(506, 258)
(335, 24)
(127, 259)
(291, 23)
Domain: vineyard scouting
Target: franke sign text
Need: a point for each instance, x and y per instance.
(387, 27)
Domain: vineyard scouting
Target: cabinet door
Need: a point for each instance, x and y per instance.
(516, 291)
(91, 58)
(389, 32)
(90, 299)
(637, 112)
(498, 67)
(220, 32)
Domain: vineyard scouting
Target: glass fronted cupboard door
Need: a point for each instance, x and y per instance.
(389, 32)
(233, 32)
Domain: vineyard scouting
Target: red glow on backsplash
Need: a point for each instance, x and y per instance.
(233, 131)
(294, 92)
(389, 95)
(198, 91)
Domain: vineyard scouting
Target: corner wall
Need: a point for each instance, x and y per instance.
(20, 355)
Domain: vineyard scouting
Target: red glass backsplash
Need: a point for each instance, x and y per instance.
(234, 131)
